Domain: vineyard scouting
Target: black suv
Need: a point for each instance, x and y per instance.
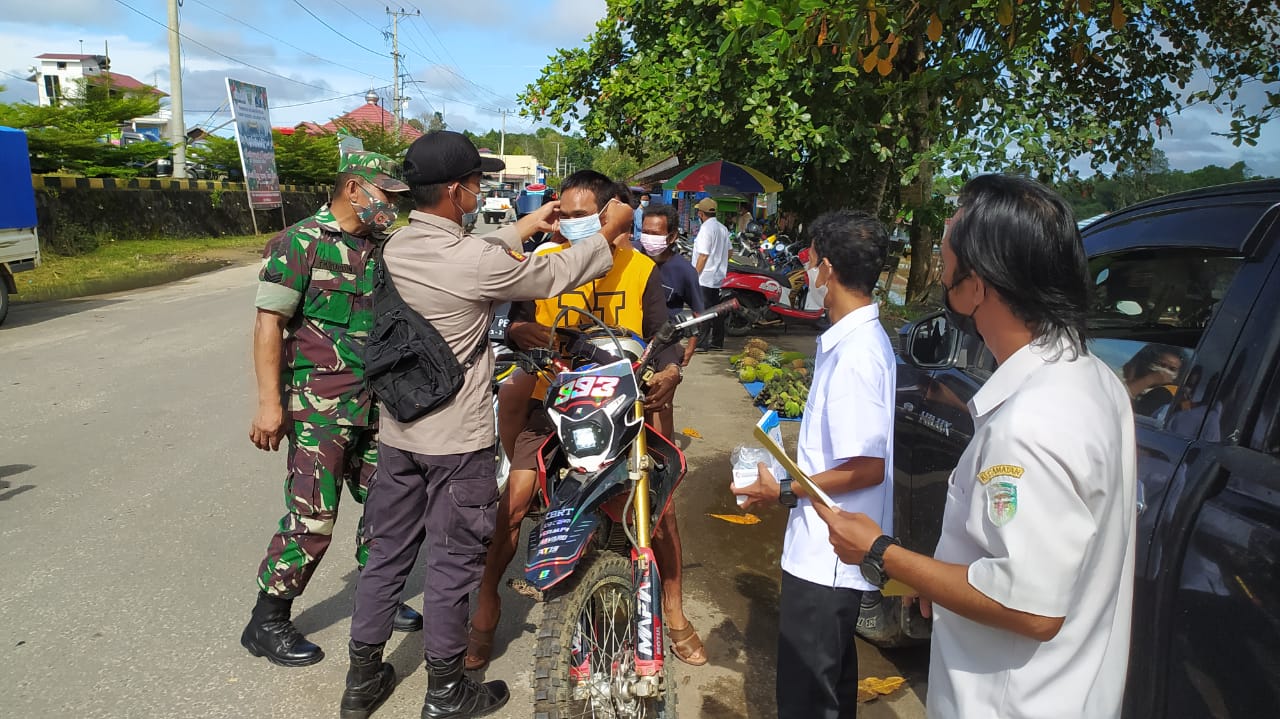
(1186, 310)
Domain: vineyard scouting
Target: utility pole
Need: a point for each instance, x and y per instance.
(557, 159)
(502, 147)
(177, 122)
(397, 96)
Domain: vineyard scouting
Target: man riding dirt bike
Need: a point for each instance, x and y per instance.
(605, 481)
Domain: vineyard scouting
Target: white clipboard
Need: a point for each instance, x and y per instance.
(780, 454)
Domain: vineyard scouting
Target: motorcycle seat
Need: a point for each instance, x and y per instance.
(782, 277)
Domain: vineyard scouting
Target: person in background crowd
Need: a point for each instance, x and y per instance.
(315, 309)
(743, 219)
(846, 447)
(639, 216)
(711, 260)
(1031, 585)
(436, 480)
(1150, 377)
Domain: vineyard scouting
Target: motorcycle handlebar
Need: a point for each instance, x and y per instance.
(712, 312)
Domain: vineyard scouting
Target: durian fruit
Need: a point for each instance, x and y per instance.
(797, 364)
(756, 353)
(756, 343)
(748, 362)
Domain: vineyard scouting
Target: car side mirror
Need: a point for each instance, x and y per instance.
(930, 343)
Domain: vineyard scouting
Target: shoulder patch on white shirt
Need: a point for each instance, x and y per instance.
(1002, 502)
(1011, 471)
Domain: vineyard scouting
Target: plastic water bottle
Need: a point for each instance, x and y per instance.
(745, 472)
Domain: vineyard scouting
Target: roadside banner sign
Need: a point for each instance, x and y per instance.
(253, 135)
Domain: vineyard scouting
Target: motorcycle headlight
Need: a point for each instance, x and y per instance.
(587, 437)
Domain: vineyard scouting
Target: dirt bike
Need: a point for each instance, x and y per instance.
(605, 480)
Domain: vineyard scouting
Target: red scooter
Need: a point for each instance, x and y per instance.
(765, 296)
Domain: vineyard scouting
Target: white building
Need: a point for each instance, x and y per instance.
(58, 76)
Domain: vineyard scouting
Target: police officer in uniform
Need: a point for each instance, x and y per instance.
(1031, 585)
(437, 476)
(315, 309)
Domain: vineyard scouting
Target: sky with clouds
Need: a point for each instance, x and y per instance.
(467, 59)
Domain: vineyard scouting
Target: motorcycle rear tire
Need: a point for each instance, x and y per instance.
(606, 576)
(741, 321)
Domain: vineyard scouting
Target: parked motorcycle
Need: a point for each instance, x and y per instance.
(766, 295)
(605, 480)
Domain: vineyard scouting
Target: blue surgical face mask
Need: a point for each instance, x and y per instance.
(577, 229)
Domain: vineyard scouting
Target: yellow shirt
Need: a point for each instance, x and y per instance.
(616, 298)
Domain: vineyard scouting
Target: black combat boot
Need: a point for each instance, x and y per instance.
(406, 619)
(369, 681)
(454, 695)
(271, 634)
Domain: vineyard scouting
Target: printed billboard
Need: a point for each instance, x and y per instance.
(253, 134)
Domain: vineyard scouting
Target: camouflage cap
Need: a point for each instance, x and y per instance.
(378, 169)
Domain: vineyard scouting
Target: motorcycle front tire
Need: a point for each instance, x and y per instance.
(601, 573)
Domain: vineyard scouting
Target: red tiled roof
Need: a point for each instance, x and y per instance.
(125, 82)
(371, 115)
(64, 56)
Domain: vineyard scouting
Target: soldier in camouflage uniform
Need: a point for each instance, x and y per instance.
(315, 309)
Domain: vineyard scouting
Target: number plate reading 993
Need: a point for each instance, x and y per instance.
(599, 388)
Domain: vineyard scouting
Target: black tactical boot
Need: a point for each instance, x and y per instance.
(406, 619)
(369, 681)
(271, 634)
(454, 695)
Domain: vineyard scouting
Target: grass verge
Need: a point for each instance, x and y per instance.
(129, 264)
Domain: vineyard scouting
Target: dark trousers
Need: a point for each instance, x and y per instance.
(713, 335)
(447, 502)
(817, 659)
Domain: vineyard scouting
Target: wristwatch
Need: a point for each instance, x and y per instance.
(873, 563)
(786, 497)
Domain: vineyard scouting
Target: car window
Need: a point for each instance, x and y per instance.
(1149, 310)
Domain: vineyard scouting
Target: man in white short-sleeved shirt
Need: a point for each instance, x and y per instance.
(846, 446)
(711, 260)
(1032, 579)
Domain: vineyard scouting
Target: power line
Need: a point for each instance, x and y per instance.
(361, 18)
(281, 40)
(223, 54)
(448, 65)
(335, 31)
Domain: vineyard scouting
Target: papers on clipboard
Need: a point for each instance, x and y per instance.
(780, 454)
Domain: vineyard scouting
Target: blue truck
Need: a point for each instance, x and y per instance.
(19, 243)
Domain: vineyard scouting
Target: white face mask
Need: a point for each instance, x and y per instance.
(577, 229)
(644, 203)
(817, 295)
(653, 245)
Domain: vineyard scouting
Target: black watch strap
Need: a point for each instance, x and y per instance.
(878, 548)
(786, 497)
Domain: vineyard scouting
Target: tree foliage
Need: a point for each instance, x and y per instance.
(862, 103)
(72, 136)
(1099, 194)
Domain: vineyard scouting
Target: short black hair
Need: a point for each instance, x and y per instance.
(855, 243)
(427, 195)
(600, 187)
(665, 211)
(1139, 365)
(341, 182)
(430, 195)
(644, 195)
(1021, 238)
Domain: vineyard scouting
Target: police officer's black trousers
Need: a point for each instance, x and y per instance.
(713, 335)
(448, 503)
(817, 658)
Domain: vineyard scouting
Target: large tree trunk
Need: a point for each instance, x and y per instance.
(920, 192)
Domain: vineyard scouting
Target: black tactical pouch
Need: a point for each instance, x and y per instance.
(407, 364)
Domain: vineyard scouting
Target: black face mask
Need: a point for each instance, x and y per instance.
(964, 323)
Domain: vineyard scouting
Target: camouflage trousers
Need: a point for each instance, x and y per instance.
(322, 457)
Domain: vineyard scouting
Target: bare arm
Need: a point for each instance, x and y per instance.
(851, 534)
(851, 474)
(268, 357)
(700, 262)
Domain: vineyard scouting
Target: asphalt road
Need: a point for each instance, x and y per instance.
(134, 512)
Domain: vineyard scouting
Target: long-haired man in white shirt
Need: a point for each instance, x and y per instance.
(1031, 585)
(846, 446)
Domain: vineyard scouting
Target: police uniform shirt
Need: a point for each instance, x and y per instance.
(453, 280)
(1042, 508)
(849, 414)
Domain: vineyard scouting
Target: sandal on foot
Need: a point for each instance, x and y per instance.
(479, 648)
(687, 645)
